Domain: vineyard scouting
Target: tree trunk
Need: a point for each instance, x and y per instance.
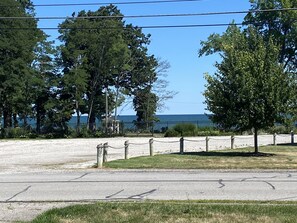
(92, 122)
(7, 121)
(77, 119)
(256, 140)
(38, 122)
(15, 120)
(90, 112)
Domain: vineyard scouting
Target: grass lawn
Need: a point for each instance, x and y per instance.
(170, 211)
(271, 157)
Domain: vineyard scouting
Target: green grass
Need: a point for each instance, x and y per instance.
(203, 211)
(271, 157)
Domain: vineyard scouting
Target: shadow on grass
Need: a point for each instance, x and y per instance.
(229, 154)
(287, 144)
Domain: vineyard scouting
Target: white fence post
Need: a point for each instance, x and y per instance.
(99, 156)
(274, 139)
(126, 150)
(232, 141)
(151, 142)
(105, 146)
(181, 145)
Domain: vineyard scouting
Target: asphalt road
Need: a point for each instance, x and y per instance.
(24, 195)
(138, 185)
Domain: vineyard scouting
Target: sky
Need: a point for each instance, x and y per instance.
(178, 46)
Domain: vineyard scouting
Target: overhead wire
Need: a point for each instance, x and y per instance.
(108, 3)
(151, 15)
(142, 27)
(145, 16)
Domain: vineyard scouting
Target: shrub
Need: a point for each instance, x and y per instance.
(15, 133)
(171, 133)
(185, 129)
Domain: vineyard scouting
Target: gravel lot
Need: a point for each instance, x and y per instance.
(61, 154)
(20, 156)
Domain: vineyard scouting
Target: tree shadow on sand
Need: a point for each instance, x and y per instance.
(229, 154)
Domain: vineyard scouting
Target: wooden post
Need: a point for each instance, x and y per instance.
(232, 142)
(105, 146)
(206, 140)
(181, 145)
(126, 150)
(151, 142)
(99, 156)
(292, 137)
(274, 139)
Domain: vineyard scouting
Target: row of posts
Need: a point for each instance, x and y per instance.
(102, 149)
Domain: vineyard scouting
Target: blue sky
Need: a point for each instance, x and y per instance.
(179, 46)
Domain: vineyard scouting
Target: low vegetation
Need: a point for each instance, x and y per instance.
(271, 157)
(172, 211)
(189, 129)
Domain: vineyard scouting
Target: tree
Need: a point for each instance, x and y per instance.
(246, 91)
(145, 105)
(16, 56)
(114, 58)
(281, 26)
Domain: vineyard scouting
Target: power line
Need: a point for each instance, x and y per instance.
(108, 3)
(154, 15)
(142, 27)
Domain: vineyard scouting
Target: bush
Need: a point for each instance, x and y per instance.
(15, 133)
(185, 127)
(280, 129)
(182, 129)
(171, 133)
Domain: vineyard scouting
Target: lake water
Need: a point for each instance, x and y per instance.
(166, 121)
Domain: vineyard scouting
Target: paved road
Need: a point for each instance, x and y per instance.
(137, 185)
(24, 195)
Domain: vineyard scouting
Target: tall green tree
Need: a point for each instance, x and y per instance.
(114, 58)
(145, 105)
(246, 91)
(94, 41)
(281, 26)
(16, 56)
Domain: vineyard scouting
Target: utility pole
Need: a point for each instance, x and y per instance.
(106, 110)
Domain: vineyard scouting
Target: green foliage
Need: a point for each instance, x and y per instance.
(16, 56)
(10, 133)
(279, 25)
(103, 59)
(189, 129)
(185, 129)
(245, 92)
(145, 105)
(171, 133)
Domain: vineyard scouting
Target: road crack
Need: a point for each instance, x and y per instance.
(112, 195)
(270, 184)
(23, 191)
(220, 182)
(80, 177)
